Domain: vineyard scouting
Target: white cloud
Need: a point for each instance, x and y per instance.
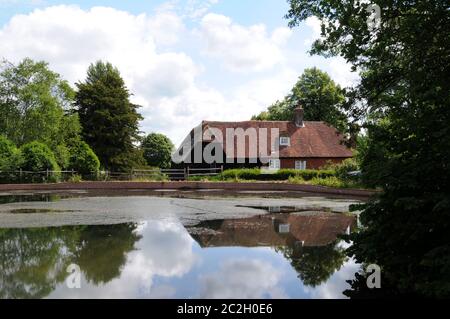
(337, 284)
(71, 38)
(241, 48)
(33, 3)
(157, 56)
(166, 27)
(165, 251)
(315, 25)
(243, 279)
(163, 82)
(340, 72)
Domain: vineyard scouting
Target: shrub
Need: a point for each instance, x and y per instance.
(8, 154)
(37, 157)
(9, 160)
(329, 182)
(216, 178)
(280, 175)
(62, 156)
(251, 173)
(83, 159)
(347, 166)
(75, 179)
(151, 178)
(157, 150)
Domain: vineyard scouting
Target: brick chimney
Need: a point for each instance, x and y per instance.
(298, 117)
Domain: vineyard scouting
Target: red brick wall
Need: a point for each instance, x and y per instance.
(311, 163)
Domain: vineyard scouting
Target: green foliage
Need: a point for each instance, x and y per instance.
(216, 178)
(76, 178)
(35, 261)
(102, 250)
(332, 181)
(8, 154)
(35, 104)
(373, 153)
(280, 175)
(343, 169)
(318, 94)
(109, 120)
(157, 150)
(405, 82)
(83, 159)
(315, 265)
(37, 157)
(62, 156)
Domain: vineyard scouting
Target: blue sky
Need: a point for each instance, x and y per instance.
(184, 60)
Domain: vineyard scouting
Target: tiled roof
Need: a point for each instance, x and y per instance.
(315, 139)
(315, 229)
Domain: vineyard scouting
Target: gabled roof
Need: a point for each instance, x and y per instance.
(315, 139)
(315, 229)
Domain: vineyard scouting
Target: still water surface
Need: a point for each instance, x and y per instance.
(179, 250)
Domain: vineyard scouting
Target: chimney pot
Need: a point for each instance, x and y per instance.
(298, 117)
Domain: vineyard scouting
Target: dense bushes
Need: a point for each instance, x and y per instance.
(83, 159)
(8, 154)
(36, 162)
(337, 177)
(37, 157)
(280, 175)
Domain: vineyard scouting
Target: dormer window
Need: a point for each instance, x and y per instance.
(285, 141)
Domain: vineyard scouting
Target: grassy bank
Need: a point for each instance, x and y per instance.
(329, 177)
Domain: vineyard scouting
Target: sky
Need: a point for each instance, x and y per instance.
(184, 61)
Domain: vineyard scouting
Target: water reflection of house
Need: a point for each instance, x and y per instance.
(315, 229)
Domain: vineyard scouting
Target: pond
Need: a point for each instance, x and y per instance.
(163, 247)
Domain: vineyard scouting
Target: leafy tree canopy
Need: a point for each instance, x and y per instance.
(83, 159)
(109, 120)
(35, 104)
(318, 94)
(36, 156)
(314, 265)
(8, 154)
(404, 63)
(157, 150)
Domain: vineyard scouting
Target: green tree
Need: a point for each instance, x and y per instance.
(103, 250)
(157, 150)
(8, 154)
(36, 105)
(83, 159)
(109, 120)
(321, 98)
(404, 63)
(34, 260)
(314, 265)
(38, 157)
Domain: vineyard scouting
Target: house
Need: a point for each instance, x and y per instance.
(311, 230)
(295, 144)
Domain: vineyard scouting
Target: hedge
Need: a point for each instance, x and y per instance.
(83, 159)
(280, 175)
(37, 157)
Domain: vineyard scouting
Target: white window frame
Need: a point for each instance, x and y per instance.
(285, 141)
(274, 164)
(300, 165)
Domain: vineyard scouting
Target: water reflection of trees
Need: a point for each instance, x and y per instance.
(34, 261)
(314, 265)
(308, 241)
(103, 251)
